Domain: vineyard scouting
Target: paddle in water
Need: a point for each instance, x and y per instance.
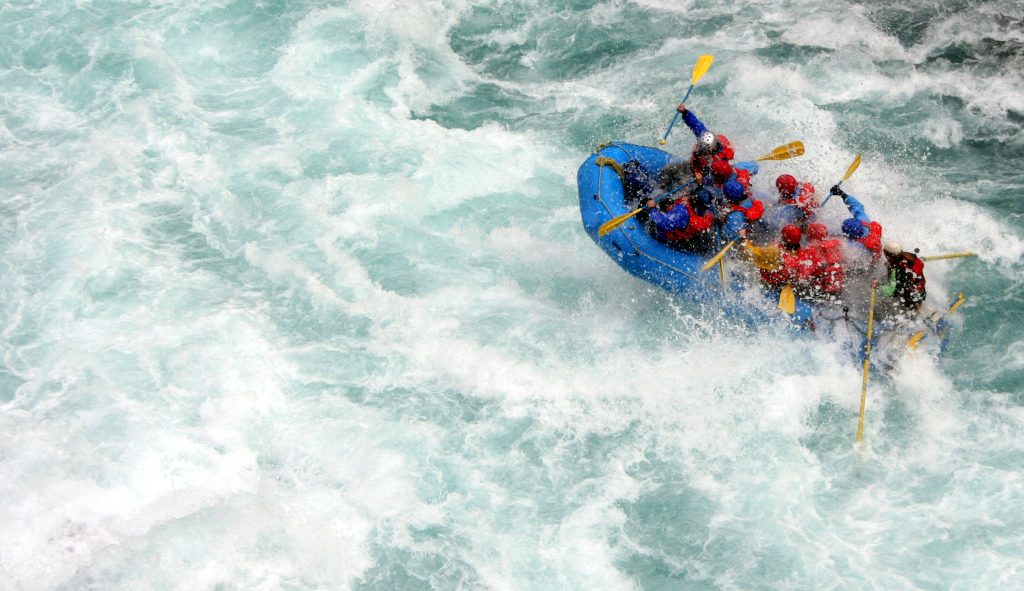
(916, 339)
(787, 300)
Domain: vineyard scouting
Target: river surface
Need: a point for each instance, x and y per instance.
(295, 295)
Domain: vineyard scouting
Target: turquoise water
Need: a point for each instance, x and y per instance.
(295, 295)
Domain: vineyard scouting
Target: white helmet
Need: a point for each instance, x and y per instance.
(707, 143)
(892, 247)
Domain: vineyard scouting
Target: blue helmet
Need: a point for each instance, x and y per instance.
(854, 228)
(734, 191)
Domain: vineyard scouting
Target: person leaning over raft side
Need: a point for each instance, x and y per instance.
(905, 271)
(684, 223)
(863, 247)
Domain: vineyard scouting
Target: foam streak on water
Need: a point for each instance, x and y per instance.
(295, 295)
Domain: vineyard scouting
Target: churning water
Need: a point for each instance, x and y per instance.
(295, 295)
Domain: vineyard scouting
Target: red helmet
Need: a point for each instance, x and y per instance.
(721, 171)
(786, 184)
(817, 231)
(791, 234)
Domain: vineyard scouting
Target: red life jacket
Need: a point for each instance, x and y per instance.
(752, 213)
(910, 282)
(797, 269)
(702, 162)
(743, 177)
(829, 277)
(873, 241)
(805, 199)
(698, 223)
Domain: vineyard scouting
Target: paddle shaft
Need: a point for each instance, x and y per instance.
(839, 184)
(617, 221)
(675, 117)
(867, 364)
(849, 172)
(955, 255)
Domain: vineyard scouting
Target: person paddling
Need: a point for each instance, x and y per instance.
(797, 202)
(741, 211)
(786, 263)
(709, 147)
(828, 278)
(863, 247)
(905, 272)
(685, 222)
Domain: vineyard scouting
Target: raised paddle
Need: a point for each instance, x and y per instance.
(787, 300)
(790, 150)
(617, 221)
(916, 339)
(849, 172)
(955, 255)
(699, 69)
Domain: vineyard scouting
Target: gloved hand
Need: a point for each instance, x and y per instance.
(681, 108)
(835, 190)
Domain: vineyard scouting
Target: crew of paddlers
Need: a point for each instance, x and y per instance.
(707, 202)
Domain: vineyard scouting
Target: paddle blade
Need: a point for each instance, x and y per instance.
(790, 150)
(765, 257)
(787, 300)
(916, 339)
(616, 221)
(959, 302)
(714, 260)
(701, 67)
(853, 167)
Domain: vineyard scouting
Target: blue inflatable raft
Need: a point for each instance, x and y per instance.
(602, 196)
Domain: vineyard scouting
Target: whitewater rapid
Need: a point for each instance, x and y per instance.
(296, 295)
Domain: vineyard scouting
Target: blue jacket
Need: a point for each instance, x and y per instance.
(734, 222)
(747, 165)
(789, 213)
(693, 123)
(676, 218)
(786, 214)
(856, 209)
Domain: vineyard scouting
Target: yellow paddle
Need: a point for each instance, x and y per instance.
(699, 69)
(714, 260)
(787, 300)
(790, 150)
(849, 173)
(867, 361)
(618, 220)
(955, 255)
(916, 339)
